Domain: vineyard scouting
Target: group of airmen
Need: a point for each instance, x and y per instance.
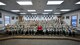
(13, 30)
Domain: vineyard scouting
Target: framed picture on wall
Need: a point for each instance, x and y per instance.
(0, 15)
(59, 16)
(67, 17)
(12, 17)
(63, 17)
(79, 20)
(0, 22)
(16, 17)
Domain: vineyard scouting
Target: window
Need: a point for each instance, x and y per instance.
(74, 21)
(7, 20)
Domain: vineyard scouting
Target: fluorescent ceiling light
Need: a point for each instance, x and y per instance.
(22, 13)
(78, 2)
(31, 10)
(33, 13)
(56, 13)
(48, 10)
(45, 13)
(65, 10)
(15, 10)
(54, 2)
(2, 3)
(24, 2)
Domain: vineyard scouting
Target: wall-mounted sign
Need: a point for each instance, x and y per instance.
(74, 21)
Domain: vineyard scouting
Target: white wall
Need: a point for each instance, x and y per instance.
(68, 21)
(7, 14)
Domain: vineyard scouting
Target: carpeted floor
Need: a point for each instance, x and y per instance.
(38, 42)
